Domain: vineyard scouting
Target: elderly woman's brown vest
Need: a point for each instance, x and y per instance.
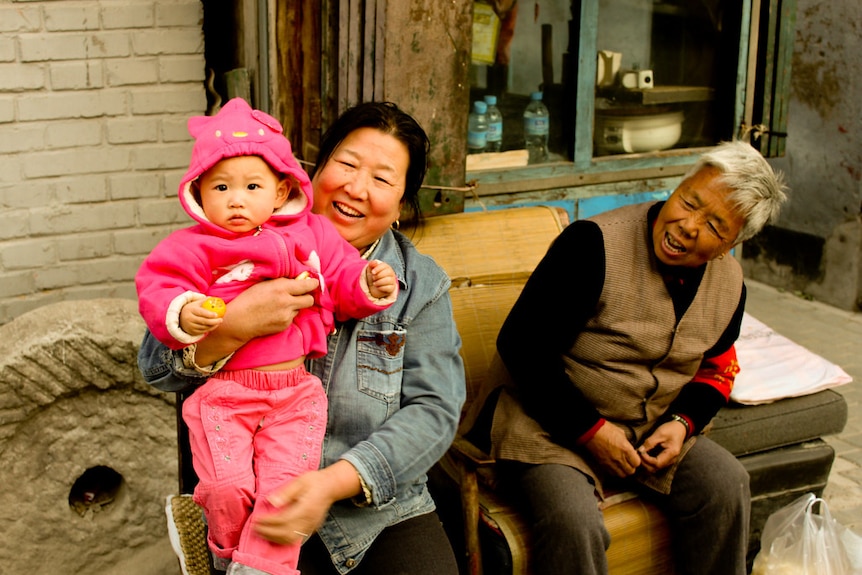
(632, 358)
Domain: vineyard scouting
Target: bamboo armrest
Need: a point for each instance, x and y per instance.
(469, 454)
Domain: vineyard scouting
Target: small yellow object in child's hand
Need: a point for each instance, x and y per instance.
(303, 275)
(215, 304)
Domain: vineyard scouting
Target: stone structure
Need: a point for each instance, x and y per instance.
(88, 449)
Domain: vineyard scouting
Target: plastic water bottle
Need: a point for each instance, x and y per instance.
(495, 125)
(477, 128)
(536, 127)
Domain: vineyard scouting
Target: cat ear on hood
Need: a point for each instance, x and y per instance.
(267, 121)
(197, 125)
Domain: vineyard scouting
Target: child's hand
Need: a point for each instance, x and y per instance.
(381, 279)
(195, 320)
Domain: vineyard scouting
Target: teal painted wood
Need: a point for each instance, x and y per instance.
(779, 32)
(580, 208)
(586, 93)
(770, 18)
(781, 89)
(742, 66)
(589, 207)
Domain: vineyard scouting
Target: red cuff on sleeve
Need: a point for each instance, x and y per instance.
(719, 372)
(690, 427)
(591, 432)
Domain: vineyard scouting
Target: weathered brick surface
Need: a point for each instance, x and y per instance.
(141, 71)
(7, 50)
(22, 139)
(17, 18)
(135, 185)
(77, 75)
(129, 15)
(94, 99)
(7, 110)
(61, 17)
(21, 77)
(13, 224)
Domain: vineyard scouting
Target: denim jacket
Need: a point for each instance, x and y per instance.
(394, 400)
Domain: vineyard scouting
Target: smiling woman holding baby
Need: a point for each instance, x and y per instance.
(394, 380)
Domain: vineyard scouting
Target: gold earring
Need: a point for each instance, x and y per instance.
(396, 225)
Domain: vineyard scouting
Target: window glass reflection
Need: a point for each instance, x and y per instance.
(666, 71)
(661, 67)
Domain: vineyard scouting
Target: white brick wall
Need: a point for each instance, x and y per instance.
(94, 98)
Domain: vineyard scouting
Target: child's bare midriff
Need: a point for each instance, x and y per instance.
(283, 366)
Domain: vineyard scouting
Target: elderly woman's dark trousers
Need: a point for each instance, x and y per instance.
(708, 512)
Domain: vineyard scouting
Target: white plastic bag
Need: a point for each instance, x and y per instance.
(796, 540)
(853, 546)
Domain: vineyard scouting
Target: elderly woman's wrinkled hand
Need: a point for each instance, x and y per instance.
(612, 449)
(662, 448)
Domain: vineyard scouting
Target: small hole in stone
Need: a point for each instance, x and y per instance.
(95, 490)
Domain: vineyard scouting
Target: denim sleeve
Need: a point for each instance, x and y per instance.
(163, 368)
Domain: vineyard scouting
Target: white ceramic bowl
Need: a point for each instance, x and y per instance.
(616, 134)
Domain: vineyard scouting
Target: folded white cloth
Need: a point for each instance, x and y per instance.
(772, 367)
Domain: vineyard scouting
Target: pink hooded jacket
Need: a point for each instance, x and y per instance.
(207, 260)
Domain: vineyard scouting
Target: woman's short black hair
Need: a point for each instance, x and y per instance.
(388, 119)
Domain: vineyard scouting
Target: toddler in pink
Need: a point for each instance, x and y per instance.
(259, 420)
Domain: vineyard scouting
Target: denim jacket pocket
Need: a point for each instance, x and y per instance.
(379, 362)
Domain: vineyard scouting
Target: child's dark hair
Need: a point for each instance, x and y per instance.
(195, 189)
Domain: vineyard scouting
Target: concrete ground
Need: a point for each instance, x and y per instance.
(837, 336)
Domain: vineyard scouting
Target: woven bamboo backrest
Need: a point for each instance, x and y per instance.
(489, 256)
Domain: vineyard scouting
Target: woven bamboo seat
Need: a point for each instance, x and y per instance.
(489, 256)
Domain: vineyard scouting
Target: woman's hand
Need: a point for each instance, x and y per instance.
(301, 505)
(661, 449)
(264, 308)
(611, 448)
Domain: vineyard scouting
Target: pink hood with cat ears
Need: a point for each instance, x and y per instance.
(238, 130)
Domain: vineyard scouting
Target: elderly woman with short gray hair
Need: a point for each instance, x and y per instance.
(620, 351)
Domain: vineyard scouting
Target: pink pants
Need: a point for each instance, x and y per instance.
(251, 432)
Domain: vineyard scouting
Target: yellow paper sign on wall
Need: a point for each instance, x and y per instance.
(486, 29)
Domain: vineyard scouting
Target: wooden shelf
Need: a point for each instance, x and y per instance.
(659, 94)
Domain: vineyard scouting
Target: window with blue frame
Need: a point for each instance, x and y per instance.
(622, 78)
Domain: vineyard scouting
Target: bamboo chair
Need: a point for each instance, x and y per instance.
(489, 256)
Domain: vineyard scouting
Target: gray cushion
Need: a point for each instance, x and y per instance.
(744, 429)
